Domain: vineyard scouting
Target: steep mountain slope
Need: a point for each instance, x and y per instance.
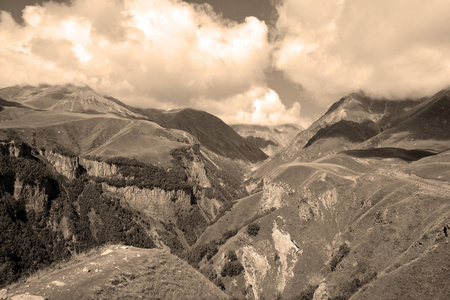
(349, 225)
(343, 227)
(104, 135)
(211, 132)
(6, 103)
(347, 123)
(345, 130)
(268, 138)
(426, 126)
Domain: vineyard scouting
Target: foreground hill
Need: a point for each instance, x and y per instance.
(268, 138)
(119, 272)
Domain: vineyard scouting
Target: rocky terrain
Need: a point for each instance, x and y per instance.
(354, 207)
(119, 272)
(342, 227)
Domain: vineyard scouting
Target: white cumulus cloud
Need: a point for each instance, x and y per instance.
(145, 52)
(386, 48)
(262, 106)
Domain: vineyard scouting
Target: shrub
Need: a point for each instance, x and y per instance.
(196, 254)
(227, 235)
(232, 255)
(219, 283)
(253, 229)
(232, 268)
(339, 256)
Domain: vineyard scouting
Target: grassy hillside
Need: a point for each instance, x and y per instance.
(96, 135)
(423, 127)
(344, 227)
(211, 132)
(120, 272)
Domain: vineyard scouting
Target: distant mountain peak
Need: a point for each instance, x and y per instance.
(68, 97)
(269, 138)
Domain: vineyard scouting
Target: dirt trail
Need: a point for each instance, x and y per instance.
(439, 188)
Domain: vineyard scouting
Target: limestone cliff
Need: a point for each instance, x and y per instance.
(64, 165)
(99, 168)
(157, 203)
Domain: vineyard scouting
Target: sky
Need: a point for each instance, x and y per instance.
(246, 61)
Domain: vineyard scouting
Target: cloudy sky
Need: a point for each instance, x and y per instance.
(247, 61)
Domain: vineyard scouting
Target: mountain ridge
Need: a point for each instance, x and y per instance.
(367, 114)
(217, 136)
(354, 207)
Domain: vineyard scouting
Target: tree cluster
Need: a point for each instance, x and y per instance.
(147, 176)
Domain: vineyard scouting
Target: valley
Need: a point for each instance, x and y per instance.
(178, 204)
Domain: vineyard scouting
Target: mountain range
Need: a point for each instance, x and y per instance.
(353, 207)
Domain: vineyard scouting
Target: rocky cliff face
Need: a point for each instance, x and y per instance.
(99, 168)
(273, 193)
(64, 165)
(156, 203)
(35, 197)
(31, 195)
(194, 166)
(196, 172)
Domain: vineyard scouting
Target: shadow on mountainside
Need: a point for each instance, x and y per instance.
(352, 131)
(403, 154)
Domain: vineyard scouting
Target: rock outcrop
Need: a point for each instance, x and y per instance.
(157, 203)
(273, 193)
(16, 149)
(99, 168)
(32, 197)
(64, 165)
